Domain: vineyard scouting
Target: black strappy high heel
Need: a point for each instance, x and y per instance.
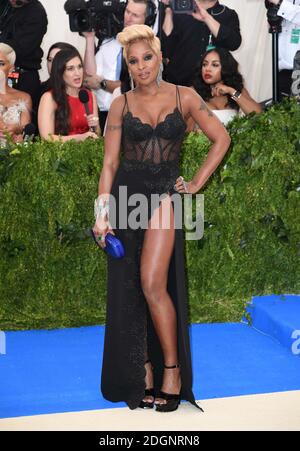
(173, 400)
(148, 392)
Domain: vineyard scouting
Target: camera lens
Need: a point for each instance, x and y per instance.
(81, 21)
(183, 6)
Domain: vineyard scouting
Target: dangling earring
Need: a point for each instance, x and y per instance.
(131, 82)
(159, 75)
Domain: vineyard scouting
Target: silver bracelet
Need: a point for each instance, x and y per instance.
(236, 95)
(185, 186)
(101, 208)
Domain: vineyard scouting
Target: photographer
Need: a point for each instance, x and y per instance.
(23, 25)
(103, 69)
(289, 41)
(186, 37)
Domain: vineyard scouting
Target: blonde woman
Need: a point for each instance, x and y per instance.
(147, 359)
(15, 106)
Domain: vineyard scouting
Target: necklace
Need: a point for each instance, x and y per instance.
(220, 12)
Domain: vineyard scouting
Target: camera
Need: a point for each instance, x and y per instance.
(182, 6)
(96, 15)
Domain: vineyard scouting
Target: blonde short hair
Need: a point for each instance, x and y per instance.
(9, 53)
(136, 33)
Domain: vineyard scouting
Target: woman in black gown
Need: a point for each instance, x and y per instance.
(147, 360)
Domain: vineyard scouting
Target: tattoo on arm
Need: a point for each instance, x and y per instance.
(204, 107)
(112, 128)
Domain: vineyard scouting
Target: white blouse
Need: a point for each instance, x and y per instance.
(226, 115)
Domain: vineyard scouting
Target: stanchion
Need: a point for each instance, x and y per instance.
(275, 28)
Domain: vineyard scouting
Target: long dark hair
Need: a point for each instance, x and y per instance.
(62, 113)
(60, 46)
(45, 85)
(229, 72)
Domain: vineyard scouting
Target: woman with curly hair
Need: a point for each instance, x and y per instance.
(61, 114)
(221, 85)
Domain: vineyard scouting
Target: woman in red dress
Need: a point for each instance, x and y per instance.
(62, 116)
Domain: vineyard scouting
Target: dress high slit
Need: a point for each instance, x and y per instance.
(149, 165)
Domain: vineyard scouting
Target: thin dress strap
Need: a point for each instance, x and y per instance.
(178, 98)
(125, 104)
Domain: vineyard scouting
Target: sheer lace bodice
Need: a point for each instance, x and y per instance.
(144, 143)
(12, 114)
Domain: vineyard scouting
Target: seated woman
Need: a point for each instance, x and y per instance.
(220, 84)
(61, 114)
(15, 106)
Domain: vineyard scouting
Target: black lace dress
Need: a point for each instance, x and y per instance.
(150, 164)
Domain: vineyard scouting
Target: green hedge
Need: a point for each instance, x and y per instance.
(52, 275)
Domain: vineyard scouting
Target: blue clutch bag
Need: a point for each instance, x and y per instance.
(114, 246)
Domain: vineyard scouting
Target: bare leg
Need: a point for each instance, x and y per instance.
(155, 259)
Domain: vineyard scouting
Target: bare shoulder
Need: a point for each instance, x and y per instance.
(47, 97)
(192, 102)
(115, 114)
(25, 97)
(118, 104)
(188, 95)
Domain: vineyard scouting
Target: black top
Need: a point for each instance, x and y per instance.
(155, 143)
(23, 29)
(187, 43)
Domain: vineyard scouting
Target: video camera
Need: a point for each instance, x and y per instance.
(182, 6)
(105, 17)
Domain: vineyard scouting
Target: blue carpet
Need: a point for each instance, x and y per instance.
(59, 371)
(277, 316)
